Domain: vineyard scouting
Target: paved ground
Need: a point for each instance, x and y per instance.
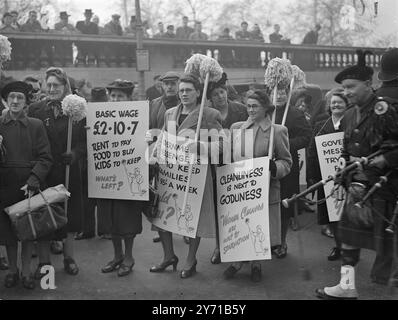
(281, 278)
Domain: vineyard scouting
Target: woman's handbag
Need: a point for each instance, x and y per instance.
(40, 222)
(53, 195)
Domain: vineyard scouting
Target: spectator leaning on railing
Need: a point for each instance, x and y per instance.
(256, 33)
(114, 27)
(276, 37)
(169, 34)
(225, 35)
(312, 36)
(198, 34)
(160, 34)
(131, 29)
(184, 31)
(32, 25)
(64, 26)
(243, 34)
(7, 23)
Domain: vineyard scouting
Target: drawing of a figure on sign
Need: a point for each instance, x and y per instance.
(258, 238)
(135, 180)
(183, 218)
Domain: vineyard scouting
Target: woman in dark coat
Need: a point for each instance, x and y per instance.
(56, 124)
(120, 218)
(25, 160)
(300, 133)
(338, 106)
(231, 112)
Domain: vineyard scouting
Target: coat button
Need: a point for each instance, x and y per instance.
(356, 144)
(356, 131)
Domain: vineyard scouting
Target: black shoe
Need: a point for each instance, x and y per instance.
(112, 266)
(161, 267)
(156, 239)
(70, 266)
(230, 272)
(216, 257)
(280, 251)
(255, 275)
(38, 275)
(3, 264)
(190, 272)
(335, 254)
(56, 247)
(28, 282)
(124, 269)
(327, 232)
(293, 224)
(105, 236)
(11, 279)
(83, 236)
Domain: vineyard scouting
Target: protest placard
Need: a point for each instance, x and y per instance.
(329, 148)
(243, 212)
(173, 177)
(116, 148)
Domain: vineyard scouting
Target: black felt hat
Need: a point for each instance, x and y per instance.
(98, 94)
(389, 65)
(88, 12)
(360, 71)
(16, 86)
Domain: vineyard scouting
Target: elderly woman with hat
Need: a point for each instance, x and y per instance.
(25, 161)
(259, 108)
(120, 218)
(56, 124)
(231, 112)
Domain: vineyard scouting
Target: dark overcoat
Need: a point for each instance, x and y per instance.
(27, 152)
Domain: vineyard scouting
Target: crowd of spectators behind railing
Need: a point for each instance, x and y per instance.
(90, 25)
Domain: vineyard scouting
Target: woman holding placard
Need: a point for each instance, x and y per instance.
(120, 218)
(259, 108)
(337, 108)
(231, 112)
(185, 117)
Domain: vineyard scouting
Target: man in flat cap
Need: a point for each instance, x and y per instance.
(370, 125)
(169, 99)
(113, 26)
(156, 90)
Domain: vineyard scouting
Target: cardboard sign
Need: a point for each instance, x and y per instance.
(329, 148)
(243, 212)
(173, 178)
(116, 148)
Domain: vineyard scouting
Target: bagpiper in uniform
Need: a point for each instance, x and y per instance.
(371, 124)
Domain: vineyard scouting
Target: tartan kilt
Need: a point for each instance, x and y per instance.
(373, 238)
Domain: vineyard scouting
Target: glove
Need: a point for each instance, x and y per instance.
(68, 158)
(33, 183)
(272, 168)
